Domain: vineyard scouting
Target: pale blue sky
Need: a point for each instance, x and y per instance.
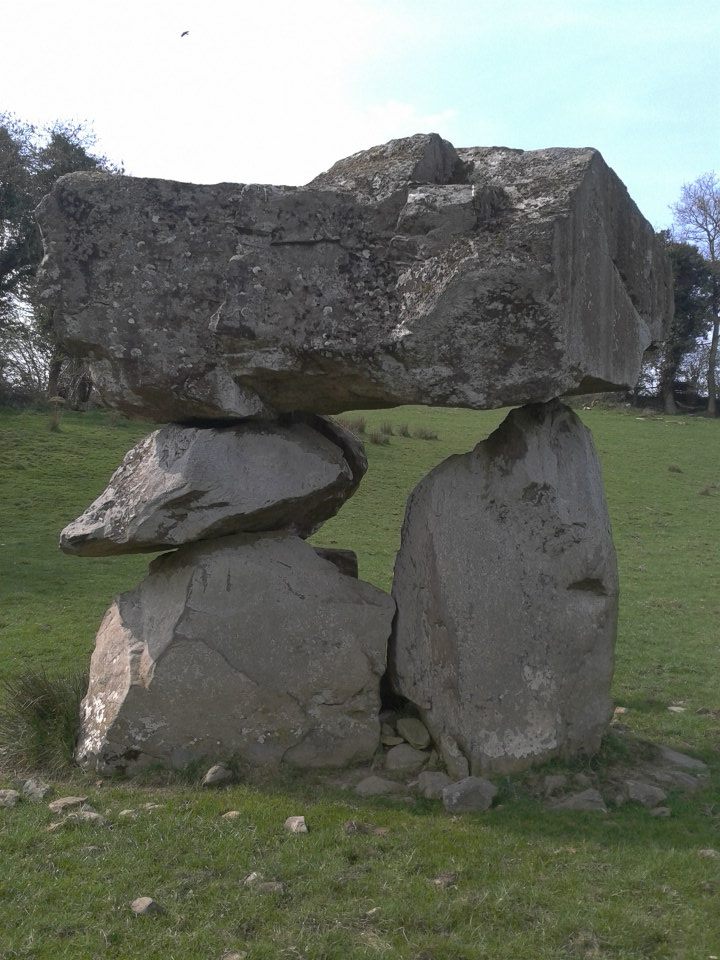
(276, 91)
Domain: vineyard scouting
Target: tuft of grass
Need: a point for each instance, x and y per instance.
(378, 438)
(387, 428)
(422, 433)
(40, 719)
(404, 430)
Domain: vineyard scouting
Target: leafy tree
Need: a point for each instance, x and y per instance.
(692, 286)
(31, 160)
(697, 216)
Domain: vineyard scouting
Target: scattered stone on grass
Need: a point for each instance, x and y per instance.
(588, 800)
(674, 708)
(151, 806)
(216, 775)
(352, 827)
(709, 854)
(473, 794)
(35, 790)
(296, 825)
(65, 803)
(414, 732)
(660, 812)
(377, 787)
(129, 814)
(682, 760)
(82, 816)
(9, 798)
(644, 793)
(406, 759)
(256, 881)
(234, 955)
(431, 783)
(145, 906)
(445, 880)
(231, 815)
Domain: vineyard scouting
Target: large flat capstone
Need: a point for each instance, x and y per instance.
(183, 484)
(250, 647)
(409, 273)
(506, 590)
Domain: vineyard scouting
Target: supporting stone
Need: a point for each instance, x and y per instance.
(506, 592)
(183, 484)
(248, 647)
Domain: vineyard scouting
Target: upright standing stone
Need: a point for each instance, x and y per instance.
(506, 592)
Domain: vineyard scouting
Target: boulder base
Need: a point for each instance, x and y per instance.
(183, 484)
(250, 647)
(506, 592)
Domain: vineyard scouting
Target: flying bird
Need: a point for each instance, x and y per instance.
(185, 33)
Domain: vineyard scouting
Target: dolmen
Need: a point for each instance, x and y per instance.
(241, 318)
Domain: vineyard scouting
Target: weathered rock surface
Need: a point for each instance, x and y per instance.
(183, 484)
(588, 801)
(374, 786)
(506, 589)
(431, 783)
(471, 795)
(409, 273)
(248, 646)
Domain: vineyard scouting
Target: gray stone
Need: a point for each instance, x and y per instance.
(388, 740)
(506, 589)
(231, 815)
(676, 759)
(588, 800)
(183, 484)
(65, 803)
(405, 759)
(248, 646)
(454, 759)
(296, 825)
(431, 783)
(345, 560)
(582, 780)
(473, 794)
(374, 786)
(408, 273)
(661, 812)
(414, 731)
(645, 793)
(35, 790)
(554, 783)
(9, 798)
(145, 906)
(216, 775)
(709, 854)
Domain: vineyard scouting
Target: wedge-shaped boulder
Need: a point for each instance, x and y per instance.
(250, 647)
(506, 589)
(409, 273)
(183, 484)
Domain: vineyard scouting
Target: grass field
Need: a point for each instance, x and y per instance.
(531, 885)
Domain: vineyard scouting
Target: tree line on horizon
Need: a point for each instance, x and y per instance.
(681, 375)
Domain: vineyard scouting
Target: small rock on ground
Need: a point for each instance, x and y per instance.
(35, 790)
(414, 731)
(234, 955)
(231, 815)
(677, 759)
(444, 880)
(216, 775)
(660, 812)
(709, 854)
(644, 793)
(351, 827)
(9, 798)
(405, 758)
(145, 906)
(65, 803)
(588, 800)
(431, 783)
(470, 795)
(377, 787)
(75, 817)
(296, 825)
